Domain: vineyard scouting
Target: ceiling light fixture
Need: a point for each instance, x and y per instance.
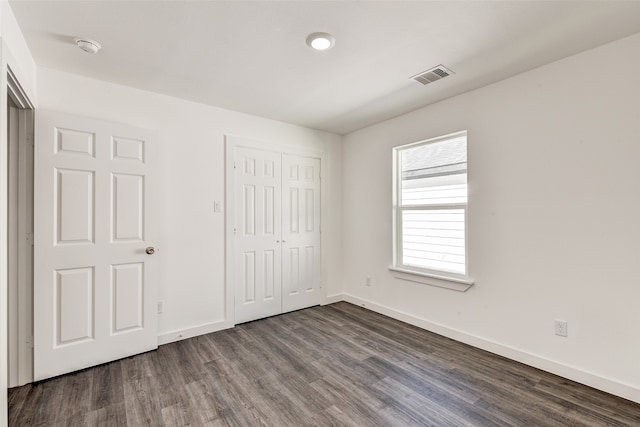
(88, 45)
(321, 41)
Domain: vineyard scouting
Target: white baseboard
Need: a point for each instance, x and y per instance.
(601, 383)
(183, 334)
(333, 299)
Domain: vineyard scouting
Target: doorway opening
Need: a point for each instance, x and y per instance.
(20, 137)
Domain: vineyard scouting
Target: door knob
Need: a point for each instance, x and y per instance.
(150, 250)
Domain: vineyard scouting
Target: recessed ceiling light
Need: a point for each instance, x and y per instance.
(321, 41)
(88, 45)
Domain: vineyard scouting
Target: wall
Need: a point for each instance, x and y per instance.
(192, 176)
(554, 217)
(15, 54)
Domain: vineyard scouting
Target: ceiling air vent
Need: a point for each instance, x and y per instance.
(430, 76)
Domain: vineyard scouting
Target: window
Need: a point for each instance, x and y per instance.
(431, 208)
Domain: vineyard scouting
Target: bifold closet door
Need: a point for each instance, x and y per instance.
(276, 257)
(258, 290)
(301, 232)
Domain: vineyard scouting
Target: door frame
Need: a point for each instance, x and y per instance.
(20, 318)
(11, 68)
(231, 143)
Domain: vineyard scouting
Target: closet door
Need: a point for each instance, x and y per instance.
(257, 254)
(301, 232)
(276, 232)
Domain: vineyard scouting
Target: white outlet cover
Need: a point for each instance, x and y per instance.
(561, 327)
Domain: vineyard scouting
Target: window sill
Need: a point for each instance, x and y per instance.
(453, 283)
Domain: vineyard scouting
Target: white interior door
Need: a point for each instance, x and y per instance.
(301, 232)
(276, 232)
(94, 283)
(257, 234)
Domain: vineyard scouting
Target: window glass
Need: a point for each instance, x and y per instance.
(432, 203)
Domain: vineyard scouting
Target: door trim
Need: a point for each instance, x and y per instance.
(21, 246)
(231, 143)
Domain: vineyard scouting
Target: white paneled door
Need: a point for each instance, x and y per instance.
(276, 233)
(301, 232)
(257, 239)
(95, 275)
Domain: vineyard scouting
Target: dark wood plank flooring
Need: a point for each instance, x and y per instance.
(337, 365)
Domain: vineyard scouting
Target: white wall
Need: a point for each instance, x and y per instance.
(192, 176)
(554, 217)
(15, 54)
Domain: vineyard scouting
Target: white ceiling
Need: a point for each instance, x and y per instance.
(252, 57)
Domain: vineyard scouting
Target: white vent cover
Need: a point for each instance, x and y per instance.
(430, 76)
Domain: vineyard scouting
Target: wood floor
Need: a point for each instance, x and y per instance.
(337, 365)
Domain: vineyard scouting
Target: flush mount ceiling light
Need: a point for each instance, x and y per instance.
(88, 45)
(321, 41)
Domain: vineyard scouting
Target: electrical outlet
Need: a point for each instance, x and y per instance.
(160, 307)
(367, 280)
(561, 327)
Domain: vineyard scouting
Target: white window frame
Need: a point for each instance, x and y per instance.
(441, 278)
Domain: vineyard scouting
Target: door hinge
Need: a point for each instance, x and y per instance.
(234, 165)
(234, 231)
(30, 341)
(29, 238)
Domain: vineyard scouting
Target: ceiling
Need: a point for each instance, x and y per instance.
(251, 57)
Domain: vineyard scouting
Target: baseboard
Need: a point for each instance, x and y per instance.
(333, 299)
(601, 383)
(183, 334)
